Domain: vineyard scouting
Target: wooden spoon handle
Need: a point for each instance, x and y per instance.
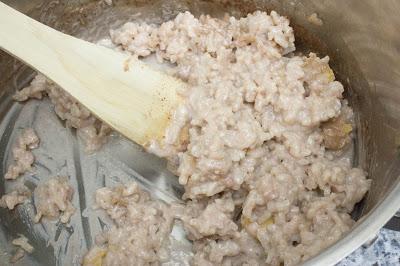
(125, 93)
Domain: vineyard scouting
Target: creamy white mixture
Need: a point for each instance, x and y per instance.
(53, 199)
(258, 145)
(23, 157)
(15, 197)
(141, 232)
(23, 160)
(23, 246)
(93, 131)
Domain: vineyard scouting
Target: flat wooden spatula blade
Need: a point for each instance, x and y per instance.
(124, 92)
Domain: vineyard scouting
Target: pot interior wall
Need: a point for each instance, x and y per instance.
(362, 55)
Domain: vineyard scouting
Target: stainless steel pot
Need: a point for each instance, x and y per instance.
(361, 37)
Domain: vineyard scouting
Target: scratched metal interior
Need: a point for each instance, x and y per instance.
(369, 77)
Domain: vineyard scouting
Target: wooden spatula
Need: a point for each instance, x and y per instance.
(127, 94)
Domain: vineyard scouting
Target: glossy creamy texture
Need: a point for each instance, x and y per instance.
(93, 131)
(23, 161)
(23, 157)
(23, 246)
(141, 232)
(258, 144)
(15, 197)
(53, 199)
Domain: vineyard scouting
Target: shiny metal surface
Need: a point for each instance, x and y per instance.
(361, 37)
